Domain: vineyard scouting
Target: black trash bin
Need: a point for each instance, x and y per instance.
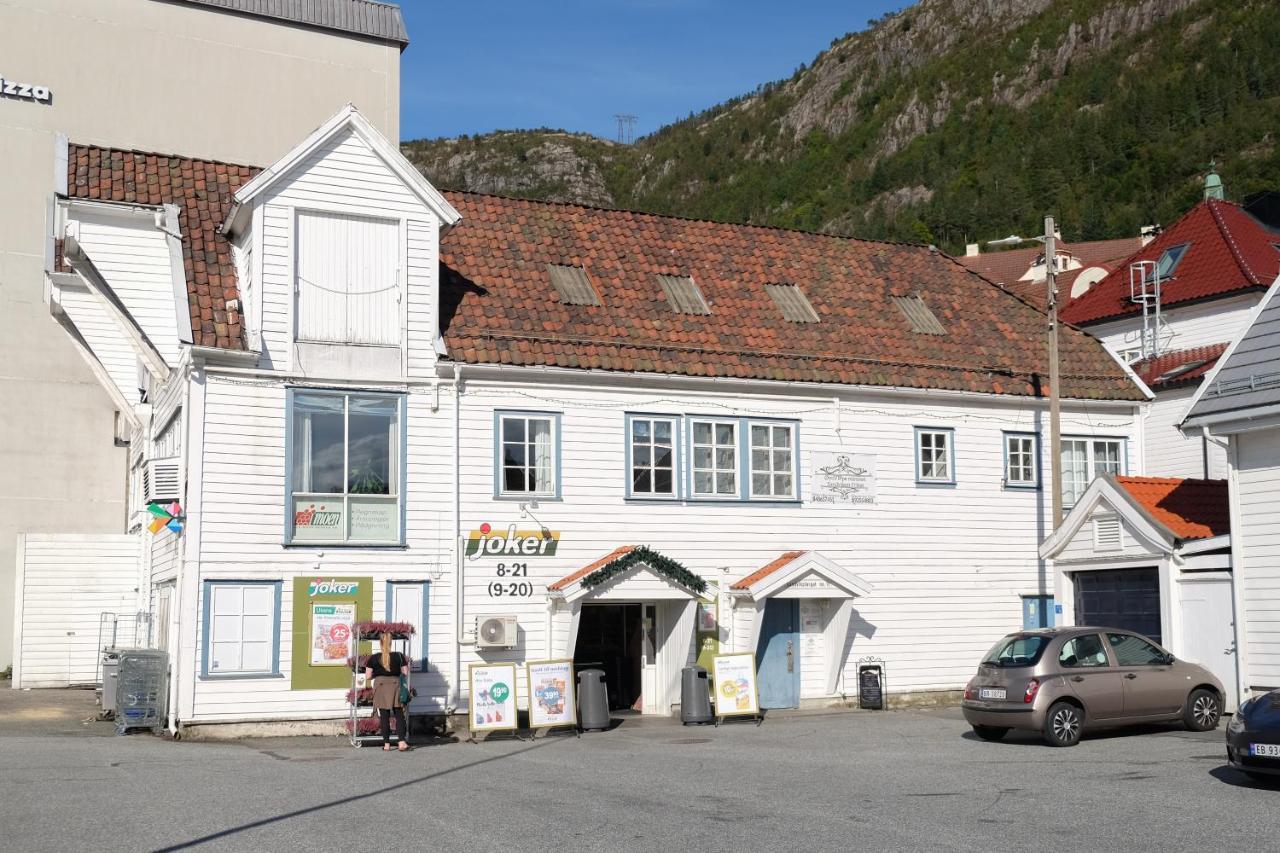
(593, 701)
(695, 696)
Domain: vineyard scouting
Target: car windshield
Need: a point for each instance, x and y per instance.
(1017, 650)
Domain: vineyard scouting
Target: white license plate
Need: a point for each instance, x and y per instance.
(991, 693)
(1264, 750)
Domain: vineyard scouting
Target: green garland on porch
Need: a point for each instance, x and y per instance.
(662, 565)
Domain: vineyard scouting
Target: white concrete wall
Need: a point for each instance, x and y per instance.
(1257, 569)
(948, 565)
(152, 76)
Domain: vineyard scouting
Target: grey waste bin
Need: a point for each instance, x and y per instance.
(593, 701)
(110, 675)
(695, 695)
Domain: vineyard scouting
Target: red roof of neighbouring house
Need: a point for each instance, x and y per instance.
(591, 567)
(1179, 367)
(1228, 251)
(767, 569)
(1009, 266)
(1191, 509)
(499, 306)
(202, 190)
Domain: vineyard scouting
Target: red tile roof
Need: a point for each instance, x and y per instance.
(1229, 251)
(1009, 266)
(591, 567)
(498, 305)
(202, 190)
(767, 569)
(1192, 509)
(1204, 358)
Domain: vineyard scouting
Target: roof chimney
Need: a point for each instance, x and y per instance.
(1213, 184)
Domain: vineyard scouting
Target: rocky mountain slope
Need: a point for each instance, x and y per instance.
(950, 121)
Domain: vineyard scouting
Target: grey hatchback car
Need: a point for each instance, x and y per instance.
(1061, 681)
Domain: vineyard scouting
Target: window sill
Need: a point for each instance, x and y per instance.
(244, 676)
(527, 498)
(653, 499)
(1016, 487)
(936, 484)
(348, 546)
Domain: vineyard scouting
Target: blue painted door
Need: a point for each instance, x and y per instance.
(778, 654)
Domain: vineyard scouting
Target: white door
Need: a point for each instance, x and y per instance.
(650, 686)
(407, 603)
(164, 610)
(1208, 631)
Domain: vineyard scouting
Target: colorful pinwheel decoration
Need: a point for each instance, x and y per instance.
(166, 516)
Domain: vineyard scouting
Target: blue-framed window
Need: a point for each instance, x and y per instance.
(936, 456)
(345, 471)
(409, 601)
(526, 454)
(1021, 460)
(743, 459)
(241, 629)
(1084, 458)
(653, 453)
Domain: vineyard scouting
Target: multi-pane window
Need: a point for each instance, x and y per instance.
(1083, 459)
(345, 468)
(1020, 468)
(653, 457)
(772, 461)
(715, 458)
(241, 623)
(527, 454)
(934, 457)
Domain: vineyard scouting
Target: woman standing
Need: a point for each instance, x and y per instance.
(383, 671)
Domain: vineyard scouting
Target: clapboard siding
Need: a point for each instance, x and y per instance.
(1203, 324)
(68, 583)
(134, 259)
(346, 176)
(1170, 452)
(1259, 549)
(106, 338)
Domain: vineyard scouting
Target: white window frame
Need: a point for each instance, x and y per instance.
(1010, 453)
(792, 450)
(1091, 461)
(674, 423)
(500, 490)
(209, 667)
(395, 468)
(950, 435)
(735, 444)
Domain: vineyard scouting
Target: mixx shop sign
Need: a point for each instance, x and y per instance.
(486, 542)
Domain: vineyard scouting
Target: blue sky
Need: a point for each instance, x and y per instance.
(477, 66)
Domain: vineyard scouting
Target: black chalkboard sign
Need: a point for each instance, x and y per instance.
(871, 687)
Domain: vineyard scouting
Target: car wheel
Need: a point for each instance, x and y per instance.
(1203, 711)
(1063, 724)
(990, 732)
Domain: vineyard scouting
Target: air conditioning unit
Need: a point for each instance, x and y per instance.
(496, 632)
(162, 480)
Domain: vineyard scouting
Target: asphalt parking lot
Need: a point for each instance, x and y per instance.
(897, 780)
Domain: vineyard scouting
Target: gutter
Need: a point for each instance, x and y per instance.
(1240, 415)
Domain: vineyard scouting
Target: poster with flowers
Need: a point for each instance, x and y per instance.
(493, 697)
(551, 697)
(734, 680)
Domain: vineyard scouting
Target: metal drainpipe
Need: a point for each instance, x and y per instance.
(458, 592)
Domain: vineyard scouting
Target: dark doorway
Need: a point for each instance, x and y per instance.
(610, 637)
(1122, 598)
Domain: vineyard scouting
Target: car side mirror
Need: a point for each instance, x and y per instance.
(1168, 659)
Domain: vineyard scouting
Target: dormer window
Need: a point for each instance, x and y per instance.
(347, 279)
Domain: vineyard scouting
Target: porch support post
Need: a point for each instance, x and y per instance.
(757, 621)
(837, 634)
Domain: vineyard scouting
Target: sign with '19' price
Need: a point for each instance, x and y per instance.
(511, 580)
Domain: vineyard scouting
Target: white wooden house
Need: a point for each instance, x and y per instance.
(451, 408)
(1239, 407)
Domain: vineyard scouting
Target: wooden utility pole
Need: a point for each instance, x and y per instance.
(1055, 426)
